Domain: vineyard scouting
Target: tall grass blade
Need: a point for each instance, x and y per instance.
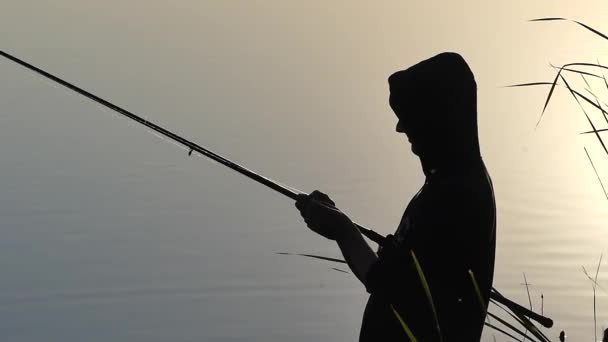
(603, 75)
(593, 281)
(601, 184)
(548, 97)
(339, 270)
(599, 131)
(525, 322)
(594, 104)
(314, 256)
(528, 290)
(427, 291)
(597, 101)
(578, 22)
(507, 324)
(574, 94)
(547, 19)
(532, 328)
(587, 83)
(501, 331)
(592, 29)
(585, 64)
(496, 297)
(576, 71)
(528, 84)
(478, 293)
(510, 313)
(405, 327)
(553, 84)
(597, 272)
(605, 84)
(529, 298)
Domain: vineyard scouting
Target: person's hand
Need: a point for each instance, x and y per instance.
(322, 216)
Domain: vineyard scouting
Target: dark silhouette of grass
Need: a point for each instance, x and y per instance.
(580, 69)
(512, 309)
(575, 68)
(598, 176)
(594, 285)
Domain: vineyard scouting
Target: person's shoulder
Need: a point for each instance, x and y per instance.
(459, 195)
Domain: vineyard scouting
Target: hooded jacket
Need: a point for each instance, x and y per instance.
(434, 275)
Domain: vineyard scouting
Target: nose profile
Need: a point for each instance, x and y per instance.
(399, 128)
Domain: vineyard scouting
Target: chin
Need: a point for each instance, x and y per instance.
(414, 150)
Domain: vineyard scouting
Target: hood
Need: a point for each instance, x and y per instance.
(436, 104)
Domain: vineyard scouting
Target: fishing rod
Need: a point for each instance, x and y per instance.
(370, 234)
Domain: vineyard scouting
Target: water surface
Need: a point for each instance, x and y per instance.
(110, 233)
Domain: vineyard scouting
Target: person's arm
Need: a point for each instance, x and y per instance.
(358, 254)
(321, 216)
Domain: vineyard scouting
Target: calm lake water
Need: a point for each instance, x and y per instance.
(112, 234)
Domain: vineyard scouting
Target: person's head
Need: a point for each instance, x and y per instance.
(436, 104)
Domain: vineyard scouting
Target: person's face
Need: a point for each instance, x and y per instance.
(402, 126)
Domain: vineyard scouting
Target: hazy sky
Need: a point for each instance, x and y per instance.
(298, 91)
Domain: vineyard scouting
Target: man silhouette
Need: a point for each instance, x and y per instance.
(431, 281)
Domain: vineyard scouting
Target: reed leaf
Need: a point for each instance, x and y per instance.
(584, 64)
(506, 324)
(574, 94)
(599, 179)
(592, 29)
(501, 331)
(594, 104)
(524, 321)
(547, 19)
(532, 328)
(603, 76)
(529, 298)
(597, 272)
(605, 84)
(574, 21)
(580, 72)
(510, 313)
(548, 97)
(527, 84)
(554, 83)
(478, 293)
(593, 281)
(405, 327)
(339, 270)
(427, 291)
(587, 83)
(314, 256)
(597, 101)
(425, 285)
(598, 130)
